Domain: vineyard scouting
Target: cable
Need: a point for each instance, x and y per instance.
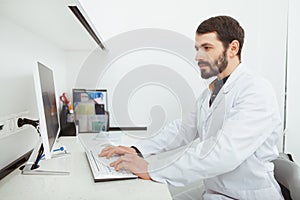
(55, 150)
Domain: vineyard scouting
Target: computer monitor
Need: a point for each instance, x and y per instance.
(47, 107)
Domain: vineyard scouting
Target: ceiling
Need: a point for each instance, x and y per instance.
(54, 21)
(51, 20)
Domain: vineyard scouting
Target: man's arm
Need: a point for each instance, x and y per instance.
(176, 134)
(250, 122)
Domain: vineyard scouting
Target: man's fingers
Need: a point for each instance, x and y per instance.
(119, 161)
(111, 150)
(124, 162)
(111, 153)
(105, 151)
(133, 163)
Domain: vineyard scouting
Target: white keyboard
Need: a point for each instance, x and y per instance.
(100, 168)
(103, 166)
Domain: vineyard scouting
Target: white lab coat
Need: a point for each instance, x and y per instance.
(237, 139)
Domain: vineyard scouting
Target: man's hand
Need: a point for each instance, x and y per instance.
(128, 161)
(119, 150)
(134, 163)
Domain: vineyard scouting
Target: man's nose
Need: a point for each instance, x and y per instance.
(200, 55)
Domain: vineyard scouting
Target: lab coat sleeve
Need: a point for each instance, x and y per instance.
(174, 135)
(250, 121)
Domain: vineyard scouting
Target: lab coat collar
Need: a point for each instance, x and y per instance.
(218, 99)
(234, 76)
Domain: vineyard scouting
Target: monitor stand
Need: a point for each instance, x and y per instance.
(30, 168)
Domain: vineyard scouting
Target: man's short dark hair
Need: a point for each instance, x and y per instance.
(227, 29)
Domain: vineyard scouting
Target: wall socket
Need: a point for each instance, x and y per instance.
(9, 124)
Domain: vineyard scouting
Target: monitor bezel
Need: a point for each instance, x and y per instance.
(41, 110)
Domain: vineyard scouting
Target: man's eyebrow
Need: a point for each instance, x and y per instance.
(203, 45)
(206, 44)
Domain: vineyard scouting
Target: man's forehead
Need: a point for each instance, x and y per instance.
(206, 38)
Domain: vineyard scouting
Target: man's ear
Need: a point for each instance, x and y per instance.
(233, 49)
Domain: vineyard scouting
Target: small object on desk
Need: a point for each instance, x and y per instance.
(70, 116)
(71, 109)
(64, 114)
(99, 109)
(64, 99)
(67, 125)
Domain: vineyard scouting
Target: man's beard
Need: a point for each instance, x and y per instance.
(218, 66)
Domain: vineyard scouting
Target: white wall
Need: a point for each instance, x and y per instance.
(293, 106)
(264, 51)
(74, 61)
(20, 50)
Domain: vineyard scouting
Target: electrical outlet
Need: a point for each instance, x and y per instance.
(8, 124)
(5, 127)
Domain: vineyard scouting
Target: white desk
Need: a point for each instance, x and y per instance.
(78, 185)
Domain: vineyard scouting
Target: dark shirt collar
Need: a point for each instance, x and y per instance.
(220, 82)
(217, 85)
